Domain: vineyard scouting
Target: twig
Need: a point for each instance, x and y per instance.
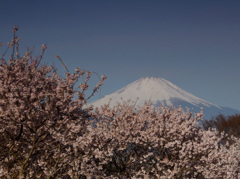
(15, 28)
(64, 66)
(4, 53)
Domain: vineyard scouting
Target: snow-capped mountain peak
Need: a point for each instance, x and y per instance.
(159, 91)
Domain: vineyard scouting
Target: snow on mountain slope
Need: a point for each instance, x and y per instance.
(161, 91)
(158, 90)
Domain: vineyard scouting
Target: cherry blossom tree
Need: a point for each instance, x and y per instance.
(165, 142)
(41, 114)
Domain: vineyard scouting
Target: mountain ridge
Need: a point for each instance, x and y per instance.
(160, 91)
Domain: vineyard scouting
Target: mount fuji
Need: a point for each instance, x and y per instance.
(162, 92)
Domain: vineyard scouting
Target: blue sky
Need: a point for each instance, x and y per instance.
(193, 44)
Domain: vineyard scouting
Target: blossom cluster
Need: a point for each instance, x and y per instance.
(166, 142)
(41, 116)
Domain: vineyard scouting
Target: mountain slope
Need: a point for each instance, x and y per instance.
(161, 91)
